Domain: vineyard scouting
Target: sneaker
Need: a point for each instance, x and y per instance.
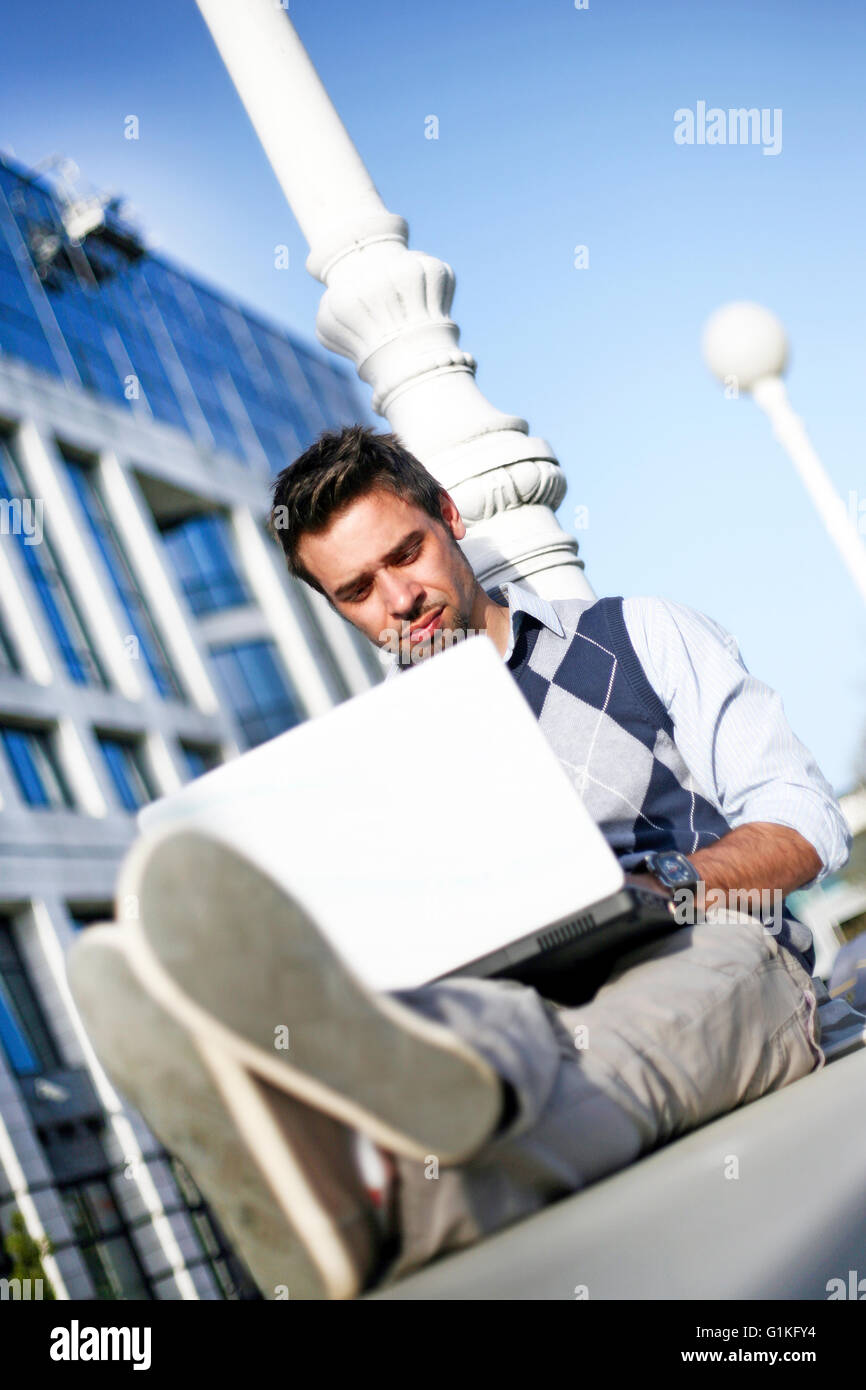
(241, 963)
(280, 1176)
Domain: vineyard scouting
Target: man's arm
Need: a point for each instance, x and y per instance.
(731, 730)
(759, 855)
(752, 858)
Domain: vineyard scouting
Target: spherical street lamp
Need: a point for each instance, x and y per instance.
(746, 347)
(744, 341)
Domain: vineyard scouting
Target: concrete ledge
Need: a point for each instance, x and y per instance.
(673, 1226)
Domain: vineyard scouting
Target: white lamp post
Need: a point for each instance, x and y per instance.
(745, 345)
(387, 308)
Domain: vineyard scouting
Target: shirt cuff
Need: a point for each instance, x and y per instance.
(818, 820)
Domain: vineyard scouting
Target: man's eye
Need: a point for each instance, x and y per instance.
(404, 559)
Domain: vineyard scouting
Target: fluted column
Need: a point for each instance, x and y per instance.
(388, 309)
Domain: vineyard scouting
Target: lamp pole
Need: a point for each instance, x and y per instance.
(387, 308)
(745, 344)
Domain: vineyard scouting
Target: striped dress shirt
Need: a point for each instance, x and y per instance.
(729, 727)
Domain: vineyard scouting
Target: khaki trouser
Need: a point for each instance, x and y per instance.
(686, 1028)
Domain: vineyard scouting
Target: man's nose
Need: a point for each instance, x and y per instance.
(399, 595)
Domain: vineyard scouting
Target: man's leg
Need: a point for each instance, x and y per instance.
(687, 1028)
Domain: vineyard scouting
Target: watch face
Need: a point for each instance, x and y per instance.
(675, 868)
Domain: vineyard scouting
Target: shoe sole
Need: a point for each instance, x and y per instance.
(217, 1120)
(241, 961)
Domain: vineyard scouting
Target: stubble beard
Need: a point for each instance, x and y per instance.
(413, 653)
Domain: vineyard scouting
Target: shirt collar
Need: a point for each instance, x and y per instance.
(522, 600)
(519, 600)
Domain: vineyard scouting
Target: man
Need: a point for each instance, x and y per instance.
(676, 750)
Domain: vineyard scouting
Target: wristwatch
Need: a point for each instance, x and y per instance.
(671, 868)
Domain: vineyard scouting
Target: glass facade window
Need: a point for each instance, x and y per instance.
(9, 663)
(25, 315)
(257, 690)
(230, 1275)
(200, 758)
(324, 385)
(24, 1033)
(124, 579)
(107, 310)
(33, 758)
(201, 551)
(102, 1236)
(124, 758)
(51, 584)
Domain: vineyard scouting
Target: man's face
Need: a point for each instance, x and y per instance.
(389, 568)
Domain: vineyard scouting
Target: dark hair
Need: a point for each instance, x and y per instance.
(339, 467)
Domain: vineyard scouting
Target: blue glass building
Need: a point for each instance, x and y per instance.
(148, 631)
(108, 316)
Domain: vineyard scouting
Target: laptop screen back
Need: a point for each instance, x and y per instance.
(423, 824)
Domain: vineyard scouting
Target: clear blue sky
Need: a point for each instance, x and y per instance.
(556, 129)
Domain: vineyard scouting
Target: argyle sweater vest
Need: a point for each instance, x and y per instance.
(615, 739)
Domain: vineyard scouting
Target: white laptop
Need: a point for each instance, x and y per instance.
(430, 830)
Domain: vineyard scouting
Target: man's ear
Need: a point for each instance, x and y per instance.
(451, 515)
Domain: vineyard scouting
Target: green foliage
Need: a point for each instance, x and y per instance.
(27, 1254)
